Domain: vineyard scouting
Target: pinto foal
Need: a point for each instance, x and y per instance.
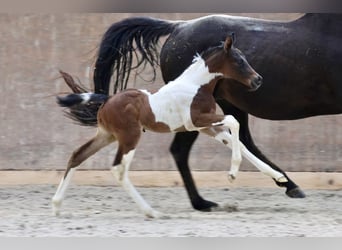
(185, 104)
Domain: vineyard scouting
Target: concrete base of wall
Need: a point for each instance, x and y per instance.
(306, 180)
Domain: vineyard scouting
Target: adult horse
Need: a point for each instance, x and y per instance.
(300, 62)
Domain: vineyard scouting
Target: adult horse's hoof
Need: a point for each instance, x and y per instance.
(205, 206)
(295, 193)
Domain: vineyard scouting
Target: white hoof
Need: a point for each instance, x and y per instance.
(56, 205)
(155, 214)
(231, 177)
(282, 179)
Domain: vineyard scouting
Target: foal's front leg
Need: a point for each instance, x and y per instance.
(230, 122)
(209, 120)
(263, 167)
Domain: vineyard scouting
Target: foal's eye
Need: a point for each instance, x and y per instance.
(240, 62)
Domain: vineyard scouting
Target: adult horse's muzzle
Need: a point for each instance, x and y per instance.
(256, 83)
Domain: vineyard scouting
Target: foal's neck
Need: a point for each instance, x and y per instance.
(198, 74)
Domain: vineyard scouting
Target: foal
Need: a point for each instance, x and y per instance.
(185, 104)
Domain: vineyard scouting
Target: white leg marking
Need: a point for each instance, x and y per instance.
(260, 165)
(263, 167)
(60, 193)
(120, 172)
(224, 136)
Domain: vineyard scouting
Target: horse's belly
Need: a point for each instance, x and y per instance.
(172, 109)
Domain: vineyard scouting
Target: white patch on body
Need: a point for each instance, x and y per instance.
(171, 103)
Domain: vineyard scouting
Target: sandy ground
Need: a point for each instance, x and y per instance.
(108, 211)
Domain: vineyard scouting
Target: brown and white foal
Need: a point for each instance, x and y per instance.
(185, 104)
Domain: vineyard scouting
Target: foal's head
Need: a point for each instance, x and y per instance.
(230, 61)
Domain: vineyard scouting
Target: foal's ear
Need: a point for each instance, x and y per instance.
(228, 43)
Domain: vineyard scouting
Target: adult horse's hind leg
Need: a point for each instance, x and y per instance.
(101, 139)
(180, 149)
(123, 159)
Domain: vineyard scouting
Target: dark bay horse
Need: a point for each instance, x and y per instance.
(184, 104)
(300, 62)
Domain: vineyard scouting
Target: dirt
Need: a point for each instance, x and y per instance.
(108, 211)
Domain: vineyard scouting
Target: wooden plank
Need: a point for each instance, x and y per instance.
(306, 180)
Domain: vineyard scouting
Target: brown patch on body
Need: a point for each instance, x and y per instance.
(203, 106)
(127, 110)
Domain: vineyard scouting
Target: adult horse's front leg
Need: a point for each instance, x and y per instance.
(180, 149)
(292, 189)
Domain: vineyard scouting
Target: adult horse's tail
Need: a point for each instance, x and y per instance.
(121, 42)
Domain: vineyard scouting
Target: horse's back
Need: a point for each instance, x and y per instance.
(300, 61)
(197, 35)
(121, 111)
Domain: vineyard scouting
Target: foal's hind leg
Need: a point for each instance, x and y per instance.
(123, 159)
(101, 140)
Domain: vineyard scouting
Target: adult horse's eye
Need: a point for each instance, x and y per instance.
(240, 62)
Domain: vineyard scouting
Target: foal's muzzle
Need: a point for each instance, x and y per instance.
(256, 83)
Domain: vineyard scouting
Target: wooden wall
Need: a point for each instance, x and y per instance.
(34, 134)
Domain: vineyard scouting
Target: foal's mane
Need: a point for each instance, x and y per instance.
(211, 50)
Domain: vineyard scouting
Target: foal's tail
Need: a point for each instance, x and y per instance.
(81, 99)
(81, 106)
(121, 42)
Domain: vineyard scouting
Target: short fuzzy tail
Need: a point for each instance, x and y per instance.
(69, 100)
(84, 98)
(81, 106)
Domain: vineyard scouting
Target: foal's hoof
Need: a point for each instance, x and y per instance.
(231, 177)
(153, 214)
(295, 193)
(282, 179)
(56, 206)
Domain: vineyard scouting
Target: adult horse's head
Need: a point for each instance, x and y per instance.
(232, 63)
